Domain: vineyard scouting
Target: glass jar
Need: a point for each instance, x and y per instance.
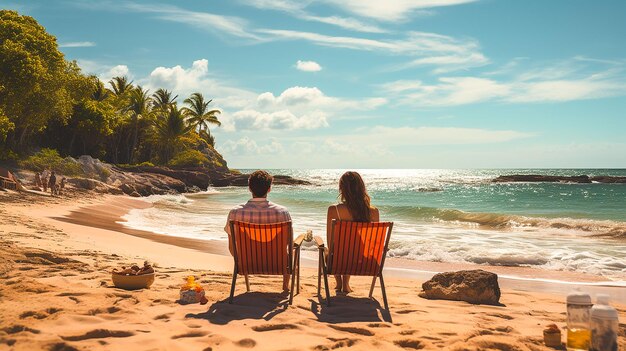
(604, 325)
(578, 328)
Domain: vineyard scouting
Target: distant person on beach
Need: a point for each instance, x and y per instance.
(354, 206)
(258, 209)
(62, 185)
(38, 180)
(52, 183)
(44, 180)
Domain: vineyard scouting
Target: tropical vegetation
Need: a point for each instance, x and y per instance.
(50, 109)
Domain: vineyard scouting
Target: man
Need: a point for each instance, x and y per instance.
(52, 183)
(258, 210)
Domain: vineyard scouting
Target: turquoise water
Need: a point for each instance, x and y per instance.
(442, 215)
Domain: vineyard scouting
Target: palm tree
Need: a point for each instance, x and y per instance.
(169, 131)
(121, 85)
(162, 99)
(198, 113)
(139, 107)
(100, 93)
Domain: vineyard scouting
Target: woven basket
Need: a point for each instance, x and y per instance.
(133, 282)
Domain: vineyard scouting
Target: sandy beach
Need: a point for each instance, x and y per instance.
(56, 294)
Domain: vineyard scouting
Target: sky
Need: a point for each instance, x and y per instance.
(373, 84)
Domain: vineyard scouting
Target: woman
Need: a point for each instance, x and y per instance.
(355, 206)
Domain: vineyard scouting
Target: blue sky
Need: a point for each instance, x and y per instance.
(374, 84)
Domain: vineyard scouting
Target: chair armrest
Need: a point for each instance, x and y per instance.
(298, 241)
(319, 242)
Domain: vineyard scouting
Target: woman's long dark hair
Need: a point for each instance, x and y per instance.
(353, 194)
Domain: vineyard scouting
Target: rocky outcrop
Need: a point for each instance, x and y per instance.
(474, 286)
(92, 184)
(557, 179)
(151, 180)
(242, 180)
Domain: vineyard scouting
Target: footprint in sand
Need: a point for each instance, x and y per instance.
(500, 315)
(163, 316)
(353, 330)
(378, 325)
(270, 327)
(61, 346)
(14, 329)
(410, 344)
(247, 343)
(338, 343)
(99, 334)
(109, 310)
(193, 334)
(34, 314)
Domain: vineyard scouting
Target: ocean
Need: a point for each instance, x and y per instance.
(457, 216)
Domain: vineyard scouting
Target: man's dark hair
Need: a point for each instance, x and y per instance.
(259, 183)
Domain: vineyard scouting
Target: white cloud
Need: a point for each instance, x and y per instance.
(346, 23)
(388, 10)
(231, 25)
(307, 98)
(297, 9)
(415, 43)
(561, 82)
(104, 72)
(77, 44)
(297, 108)
(391, 10)
(308, 66)
(247, 146)
(449, 63)
(282, 119)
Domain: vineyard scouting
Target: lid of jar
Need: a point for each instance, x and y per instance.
(602, 310)
(578, 298)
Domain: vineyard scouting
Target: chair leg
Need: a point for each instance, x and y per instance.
(326, 285)
(382, 287)
(232, 286)
(293, 282)
(319, 274)
(247, 283)
(298, 274)
(372, 287)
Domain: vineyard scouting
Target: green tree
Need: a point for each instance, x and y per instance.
(170, 132)
(100, 92)
(162, 99)
(34, 74)
(199, 115)
(121, 86)
(5, 126)
(139, 108)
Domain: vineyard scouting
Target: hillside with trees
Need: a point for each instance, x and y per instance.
(49, 108)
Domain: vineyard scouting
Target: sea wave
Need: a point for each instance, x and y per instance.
(603, 228)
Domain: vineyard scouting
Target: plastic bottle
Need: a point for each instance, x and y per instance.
(578, 318)
(604, 325)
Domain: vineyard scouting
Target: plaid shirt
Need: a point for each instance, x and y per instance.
(257, 211)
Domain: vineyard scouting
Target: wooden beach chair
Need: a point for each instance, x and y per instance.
(354, 248)
(265, 249)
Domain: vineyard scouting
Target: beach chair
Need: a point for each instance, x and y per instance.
(355, 248)
(265, 249)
